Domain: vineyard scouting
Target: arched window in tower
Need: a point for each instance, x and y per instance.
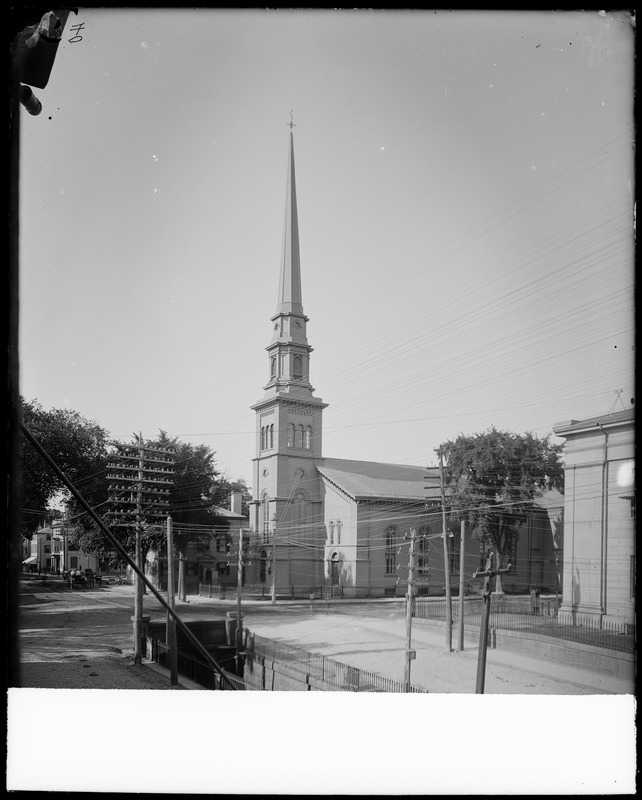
(298, 442)
(271, 436)
(290, 435)
(299, 513)
(331, 531)
(263, 438)
(391, 550)
(297, 367)
(308, 437)
(273, 368)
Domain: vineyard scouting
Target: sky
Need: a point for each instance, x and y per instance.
(466, 211)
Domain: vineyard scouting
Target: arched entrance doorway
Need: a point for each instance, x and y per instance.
(335, 569)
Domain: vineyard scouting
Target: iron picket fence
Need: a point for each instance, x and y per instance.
(340, 676)
(524, 615)
(290, 592)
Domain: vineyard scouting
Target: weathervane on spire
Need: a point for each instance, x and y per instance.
(291, 123)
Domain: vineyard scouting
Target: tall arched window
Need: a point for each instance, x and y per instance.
(297, 367)
(290, 435)
(422, 550)
(331, 531)
(273, 367)
(339, 526)
(271, 436)
(391, 550)
(299, 508)
(262, 438)
(454, 539)
(298, 441)
(308, 437)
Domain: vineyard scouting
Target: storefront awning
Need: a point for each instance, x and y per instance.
(30, 560)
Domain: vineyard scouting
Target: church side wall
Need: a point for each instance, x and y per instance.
(340, 542)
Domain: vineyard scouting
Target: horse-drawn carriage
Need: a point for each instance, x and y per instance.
(83, 580)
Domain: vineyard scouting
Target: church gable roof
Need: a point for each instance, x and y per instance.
(372, 480)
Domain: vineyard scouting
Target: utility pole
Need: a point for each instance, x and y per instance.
(139, 479)
(449, 611)
(274, 564)
(182, 595)
(488, 574)
(462, 552)
(138, 583)
(170, 635)
(410, 654)
(239, 617)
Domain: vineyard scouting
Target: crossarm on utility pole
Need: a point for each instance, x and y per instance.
(121, 550)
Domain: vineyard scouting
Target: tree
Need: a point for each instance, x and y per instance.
(197, 488)
(492, 479)
(77, 445)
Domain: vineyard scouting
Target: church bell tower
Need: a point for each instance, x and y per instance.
(287, 508)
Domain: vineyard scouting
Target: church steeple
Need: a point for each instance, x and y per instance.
(289, 425)
(290, 278)
(289, 351)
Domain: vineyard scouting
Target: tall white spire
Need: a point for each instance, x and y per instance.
(290, 276)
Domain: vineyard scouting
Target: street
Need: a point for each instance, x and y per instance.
(83, 639)
(63, 630)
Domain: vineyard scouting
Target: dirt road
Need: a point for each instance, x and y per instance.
(79, 640)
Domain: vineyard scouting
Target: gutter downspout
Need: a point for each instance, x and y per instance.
(604, 522)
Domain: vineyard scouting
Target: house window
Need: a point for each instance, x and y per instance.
(391, 550)
(73, 562)
(47, 548)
